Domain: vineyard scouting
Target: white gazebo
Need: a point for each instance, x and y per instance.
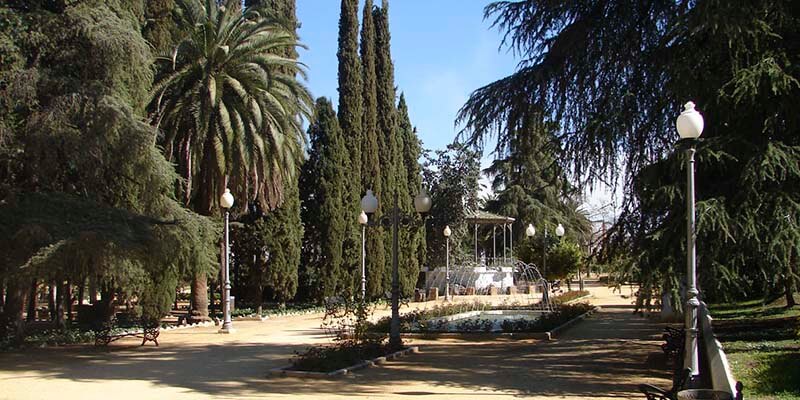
(505, 223)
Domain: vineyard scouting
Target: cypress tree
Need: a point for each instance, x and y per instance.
(371, 166)
(322, 181)
(350, 119)
(413, 250)
(160, 31)
(388, 145)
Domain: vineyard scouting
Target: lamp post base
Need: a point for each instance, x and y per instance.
(226, 329)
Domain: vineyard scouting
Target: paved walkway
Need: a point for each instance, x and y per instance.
(603, 357)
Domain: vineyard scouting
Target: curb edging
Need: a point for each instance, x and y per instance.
(285, 371)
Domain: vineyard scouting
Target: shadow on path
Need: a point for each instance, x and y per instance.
(606, 355)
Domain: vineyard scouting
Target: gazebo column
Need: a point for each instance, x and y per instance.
(494, 244)
(476, 243)
(511, 239)
(504, 243)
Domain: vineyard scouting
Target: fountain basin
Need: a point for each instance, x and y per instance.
(480, 320)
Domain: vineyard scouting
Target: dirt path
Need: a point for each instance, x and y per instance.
(602, 357)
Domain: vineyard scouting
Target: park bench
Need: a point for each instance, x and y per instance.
(673, 343)
(679, 381)
(148, 333)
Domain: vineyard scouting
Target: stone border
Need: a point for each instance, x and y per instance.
(478, 335)
(286, 371)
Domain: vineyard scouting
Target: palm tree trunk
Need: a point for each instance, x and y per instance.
(199, 311)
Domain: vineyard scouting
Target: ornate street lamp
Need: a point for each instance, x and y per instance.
(690, 126)
(226, 202)
(447, 232)
(363, 219)
(422, 204)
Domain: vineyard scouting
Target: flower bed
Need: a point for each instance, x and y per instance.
(335, 357)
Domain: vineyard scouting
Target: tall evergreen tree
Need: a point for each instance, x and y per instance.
(582, 59)
(371, 163)
(389, 142)
(86, 194)
(322, 182)
(350, 120)
(161, 29)
(532, 187)
(412, 251)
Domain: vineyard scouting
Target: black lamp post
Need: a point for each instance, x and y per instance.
(422, 204)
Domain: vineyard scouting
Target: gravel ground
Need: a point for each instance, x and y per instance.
(603, 357)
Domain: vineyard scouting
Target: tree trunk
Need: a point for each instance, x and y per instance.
(106, 306)
(68, 300)
(2, 293)
(32, 301)
(60, 301)
(11, 322)
(199, 311)
(788, 282)
(81, 291)
(51, 301)
(92, 290)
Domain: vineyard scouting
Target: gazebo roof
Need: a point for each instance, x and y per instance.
(487, 218)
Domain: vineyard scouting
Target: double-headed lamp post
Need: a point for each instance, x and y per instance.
(690, 126)
(422, 204)
(530, 231)
(447, 232)
(363, 219)
(226, 202)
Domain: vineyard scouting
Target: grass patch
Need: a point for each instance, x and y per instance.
(761, 342)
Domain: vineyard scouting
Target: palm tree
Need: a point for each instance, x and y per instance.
(230, 110)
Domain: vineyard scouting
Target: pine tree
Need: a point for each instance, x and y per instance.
(595, 55)
(532, 188)
(350, 119)
(88, 195)
(371, 165)
(322, 182)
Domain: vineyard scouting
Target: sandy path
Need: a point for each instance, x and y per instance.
(603, 357)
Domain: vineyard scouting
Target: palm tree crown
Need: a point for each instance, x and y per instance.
(230, 106)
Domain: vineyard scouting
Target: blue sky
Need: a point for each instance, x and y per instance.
(442, 51)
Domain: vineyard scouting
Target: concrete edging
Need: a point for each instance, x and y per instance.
(286, 371)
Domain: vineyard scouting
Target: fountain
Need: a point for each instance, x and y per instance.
(485, 297)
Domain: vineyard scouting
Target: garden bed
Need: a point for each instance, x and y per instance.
(324, 362)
